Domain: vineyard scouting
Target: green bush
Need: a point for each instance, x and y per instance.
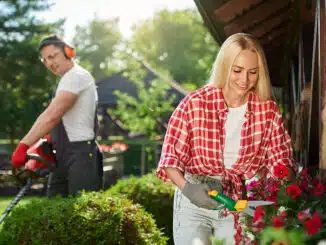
(153, 194)
(91, 218)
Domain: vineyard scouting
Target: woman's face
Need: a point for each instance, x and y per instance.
(244, 73)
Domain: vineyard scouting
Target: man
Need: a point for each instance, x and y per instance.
(70, 118)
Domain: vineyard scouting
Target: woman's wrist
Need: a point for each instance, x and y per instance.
(181, 183)
(176, 176)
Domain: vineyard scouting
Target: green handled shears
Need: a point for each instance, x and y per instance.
(237, 206)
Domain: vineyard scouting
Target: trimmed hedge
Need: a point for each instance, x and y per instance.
(153, 194)
(91, 218)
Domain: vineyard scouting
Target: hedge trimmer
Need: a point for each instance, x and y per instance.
(40, 162)
(238, 206)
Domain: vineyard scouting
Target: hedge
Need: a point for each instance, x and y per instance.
(153, 194)
(91, 218)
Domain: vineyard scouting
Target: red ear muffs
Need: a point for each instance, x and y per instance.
(69, 51)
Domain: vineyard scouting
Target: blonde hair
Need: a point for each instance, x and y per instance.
(226, 56)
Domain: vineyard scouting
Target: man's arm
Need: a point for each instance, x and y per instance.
(52, 115)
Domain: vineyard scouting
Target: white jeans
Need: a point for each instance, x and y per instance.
(195, 226)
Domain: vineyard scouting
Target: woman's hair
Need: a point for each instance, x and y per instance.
(226, 56)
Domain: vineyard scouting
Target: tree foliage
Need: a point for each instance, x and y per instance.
(96, 43)
(24, 83)
(145, 113)
(178, 42)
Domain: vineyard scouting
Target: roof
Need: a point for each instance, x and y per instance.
(274, 22)
(108, 85)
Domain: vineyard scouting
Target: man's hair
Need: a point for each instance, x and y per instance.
(228, 52)
(52, 40)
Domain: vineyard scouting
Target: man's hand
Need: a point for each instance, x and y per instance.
(198, 195)
(19, 157)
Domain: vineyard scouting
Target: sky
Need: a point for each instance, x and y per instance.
(80, 12)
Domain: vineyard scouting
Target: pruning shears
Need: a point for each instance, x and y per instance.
(238, 206)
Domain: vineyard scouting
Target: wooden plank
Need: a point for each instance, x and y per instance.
(322, 67)
(276, 45)
(206, 9)
(255, 16)
(268, 25)
(271, 36)
(307, 13)
(230, 9)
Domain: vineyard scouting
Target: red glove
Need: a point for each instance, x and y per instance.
(19, 158)
(47, 137)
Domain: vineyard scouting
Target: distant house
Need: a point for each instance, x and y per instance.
(106, 87)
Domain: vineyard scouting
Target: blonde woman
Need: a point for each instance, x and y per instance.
(220, 136)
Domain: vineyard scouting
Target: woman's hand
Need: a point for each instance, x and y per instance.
(198, 195)
(176, 176)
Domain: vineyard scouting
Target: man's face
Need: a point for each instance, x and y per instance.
(54, 59)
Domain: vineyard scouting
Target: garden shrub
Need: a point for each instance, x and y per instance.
(153, 194)
(91, 218)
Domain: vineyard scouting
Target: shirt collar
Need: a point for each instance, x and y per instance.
(222, 107)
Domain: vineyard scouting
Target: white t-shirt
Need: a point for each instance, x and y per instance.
(79, 120)
(233, 127)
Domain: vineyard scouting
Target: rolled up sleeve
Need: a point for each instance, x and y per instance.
(176, 149)
(280, 147)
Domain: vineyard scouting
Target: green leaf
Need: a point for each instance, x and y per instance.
(271, 234)
(296, 237)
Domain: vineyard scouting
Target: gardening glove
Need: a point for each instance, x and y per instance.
(19, 157)
(47, 137)
(198, 195)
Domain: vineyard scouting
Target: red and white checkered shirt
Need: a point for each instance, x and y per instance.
(195, 139)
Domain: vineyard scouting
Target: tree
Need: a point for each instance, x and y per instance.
(144, 114)
(24, 82)
(178, 42)
(96, 43)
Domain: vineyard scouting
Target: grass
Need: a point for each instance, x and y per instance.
(5, 201)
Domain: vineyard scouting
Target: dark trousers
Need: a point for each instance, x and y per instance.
(78, 168)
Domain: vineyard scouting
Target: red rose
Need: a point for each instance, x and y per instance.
(259, 214)
(319, 189)
(257, 226)
(303, 215)
(313, 225)
(280, 171)
(271, 199)
(293, 190)
(304, 185)
(273, 187)
(315, 182)
(278, 221)
(304, 173)
(283, 214)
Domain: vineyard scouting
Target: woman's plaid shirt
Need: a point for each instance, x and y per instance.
(195, 138)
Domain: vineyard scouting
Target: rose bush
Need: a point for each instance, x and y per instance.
(298, 214)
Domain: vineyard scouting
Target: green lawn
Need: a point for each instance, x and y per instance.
(5, 201)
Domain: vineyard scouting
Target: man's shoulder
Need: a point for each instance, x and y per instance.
(78, 73)
(81, 71)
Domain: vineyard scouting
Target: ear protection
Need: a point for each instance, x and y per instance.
(68, 51)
